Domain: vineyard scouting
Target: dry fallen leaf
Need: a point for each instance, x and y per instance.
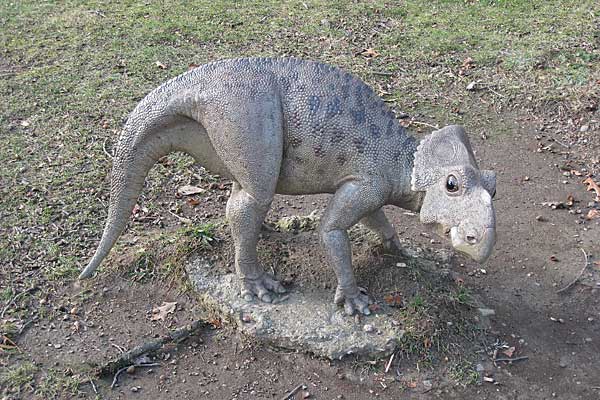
(393, 300)
(193, 202)
(593, 186)
(592, 214)
(188, 190)
(597, 264)
(468, 63)
(509, 352)
(162, 311)
(192, 66)
(576, 173)
(570, 200)
(216, 323)
(369, 53)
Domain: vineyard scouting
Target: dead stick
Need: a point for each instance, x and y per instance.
(126, 359)
(511, 359)
(10, 303)
(93, 384)
(585, 264)
(424, 123)
(389, 363)
(291, 393)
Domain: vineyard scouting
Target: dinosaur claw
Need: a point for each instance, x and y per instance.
(357, 302)
(262, 287)
(266, 298)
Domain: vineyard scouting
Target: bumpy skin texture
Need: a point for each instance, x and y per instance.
(293, 127)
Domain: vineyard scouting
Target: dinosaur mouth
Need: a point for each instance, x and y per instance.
(479, 248)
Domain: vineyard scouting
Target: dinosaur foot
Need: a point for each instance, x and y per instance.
(262, 287)
(358, 301)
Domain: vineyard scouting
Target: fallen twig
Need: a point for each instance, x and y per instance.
(106, 151)
(15, 297)
(121, 349)
(180, 218)
(93, 385)
(578, 275)
(24, 326)
(561, 143)
(128, 358)
(424, 123)
(382, 73)
(389, 363)
(119, 372)
(292, 392)
(508, 359)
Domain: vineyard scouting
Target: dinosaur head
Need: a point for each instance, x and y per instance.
(458, 195)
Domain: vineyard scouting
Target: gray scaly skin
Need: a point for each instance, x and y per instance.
(289, 126)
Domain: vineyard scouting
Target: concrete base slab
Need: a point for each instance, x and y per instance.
(303, 321)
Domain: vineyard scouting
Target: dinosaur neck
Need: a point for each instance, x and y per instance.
(402, 193)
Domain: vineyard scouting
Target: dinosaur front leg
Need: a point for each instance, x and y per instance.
(378, 223)
(245, 216)
(350, 203)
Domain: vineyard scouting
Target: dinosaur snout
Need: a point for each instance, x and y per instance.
(477, 243)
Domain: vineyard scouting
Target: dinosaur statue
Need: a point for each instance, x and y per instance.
(288, 126)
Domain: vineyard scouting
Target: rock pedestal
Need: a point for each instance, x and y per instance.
(303, 321)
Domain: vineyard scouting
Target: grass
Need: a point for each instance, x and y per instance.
(163, 257)
(71, 71)
(58, 384)
(18, 379)
(463, 373)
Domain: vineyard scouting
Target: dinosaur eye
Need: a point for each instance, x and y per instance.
(452, 184)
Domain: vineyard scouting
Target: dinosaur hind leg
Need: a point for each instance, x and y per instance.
(245, 216)
(249, 141)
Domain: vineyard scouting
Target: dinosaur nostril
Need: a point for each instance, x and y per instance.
(471, 239)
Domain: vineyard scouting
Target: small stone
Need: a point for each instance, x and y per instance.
(58, 346)
(131, 369)
(427, 384)
(305, 394)
(368, 328)
(488, 379)
(401, 265)
(563, 362)
(135, 389)
(246, 318)
(73, 311)
(540, 218)
(584, 128)
(486, 312)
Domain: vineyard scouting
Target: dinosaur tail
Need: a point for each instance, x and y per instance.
(131, 165)
(161, 123)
